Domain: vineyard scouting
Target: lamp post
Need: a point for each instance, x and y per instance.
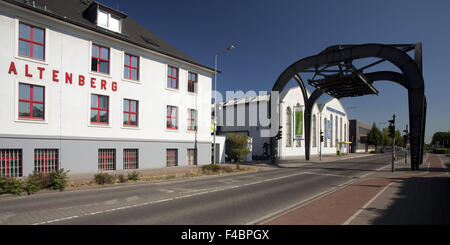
(215, 98)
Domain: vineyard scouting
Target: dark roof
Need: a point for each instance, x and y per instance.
(74, 12)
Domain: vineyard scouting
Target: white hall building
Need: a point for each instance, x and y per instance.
(331, 118)
(85, 88)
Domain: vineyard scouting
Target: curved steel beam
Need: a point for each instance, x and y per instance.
(410, 69)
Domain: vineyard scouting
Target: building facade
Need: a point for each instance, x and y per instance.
(291, 116)
(85, 88)
(358, 136)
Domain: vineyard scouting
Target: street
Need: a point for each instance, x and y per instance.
(232, 199)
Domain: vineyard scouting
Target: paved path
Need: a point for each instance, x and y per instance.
(402, 197)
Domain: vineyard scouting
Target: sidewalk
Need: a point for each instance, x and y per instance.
(383, 198)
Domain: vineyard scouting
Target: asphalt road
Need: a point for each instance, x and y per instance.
(224, 200)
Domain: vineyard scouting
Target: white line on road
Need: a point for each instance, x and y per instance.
(349, 220)
(170, 199)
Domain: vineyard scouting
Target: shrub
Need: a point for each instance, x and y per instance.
(44, 181)
(227, 169)
(441, 151)
(133, 175)
(214, 168)
(11, 185)
(121, 178)
(32, 184)
(104, 178)
(59, 179)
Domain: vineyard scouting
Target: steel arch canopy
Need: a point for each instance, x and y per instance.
(349, 81)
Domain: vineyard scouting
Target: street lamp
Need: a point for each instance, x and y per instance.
(215, 98)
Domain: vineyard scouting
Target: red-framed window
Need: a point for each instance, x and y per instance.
(31, 41)
(99, 109)
(106, 159)
(130, 159)
(100, 59)
(131, 67)
(192, 120)
(172, 157)
(46, 160)
(31, 101)
(172, 77)
(172, 117)
(192, 156)
(130, 113)
(11, 163)
(192, 82)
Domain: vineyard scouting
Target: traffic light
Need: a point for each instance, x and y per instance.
(322, 139)
(392, 128)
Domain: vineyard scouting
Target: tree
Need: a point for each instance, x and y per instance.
(398, 139)
(375, 136)
(237, 147)
(441, 139)
(386, 140)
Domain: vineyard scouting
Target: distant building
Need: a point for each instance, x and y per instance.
(358, 136)
(330, 117)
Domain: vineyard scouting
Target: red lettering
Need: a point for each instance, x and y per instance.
(55, 76)
(68, 77)
(93, 82)
(103, 84)
(41, 71)
(81, 80)
(12, 68)
(114, 86)
(26, 72)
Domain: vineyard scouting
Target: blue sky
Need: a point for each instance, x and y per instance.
(271, 35)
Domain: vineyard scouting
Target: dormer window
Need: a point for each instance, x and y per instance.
(108, 21)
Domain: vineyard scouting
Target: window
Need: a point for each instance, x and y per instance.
(100, 59)
(46, 160)
(331, 131)
(325, 126)
(108, 21)
(314, 128)
(31, 41)
(130, 113)
(288, 127)
(172, 157)
(99, 109)
(106, 159)
(31, 101)
(172, 77)
(131, 67)
(172, 121)
(336, 130)
(10, 162)
(192, 120)
(130, 159)
(192, 157)
(192, 82)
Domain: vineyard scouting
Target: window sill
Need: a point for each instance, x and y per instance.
(192, 93)
(172, 89)
(172, 130)
(131, 81)
(191, 131)
(99, 125)
(100, 74)
(43, 62)
(130, 127)
(35, 121)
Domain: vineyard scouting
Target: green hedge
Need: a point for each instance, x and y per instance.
(441, 151)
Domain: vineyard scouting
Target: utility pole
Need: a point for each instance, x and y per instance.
(405, 143)
(392, 135)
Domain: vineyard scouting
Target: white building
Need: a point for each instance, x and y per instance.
(85, 88)
(234, 117)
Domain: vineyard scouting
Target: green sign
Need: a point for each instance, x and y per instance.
(298, 122)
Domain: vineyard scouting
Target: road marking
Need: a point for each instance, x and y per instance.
(216, 189)
(332, 175)
(349, 220)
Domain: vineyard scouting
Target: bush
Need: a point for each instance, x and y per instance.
(374, 152)
(121, 178)
(441, 151)
(11, 186)
(227, 169)
(214, 168)
(59, 179)
(32, 184)
(104, 178)
(133, 175)
(44, 181)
